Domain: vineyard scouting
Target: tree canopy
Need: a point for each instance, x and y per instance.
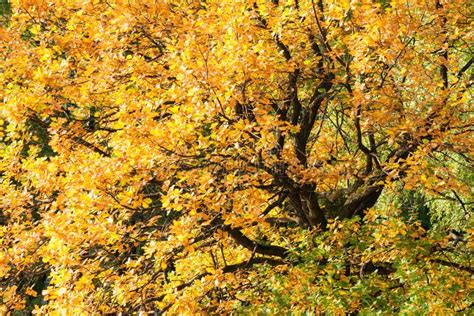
(204, 156)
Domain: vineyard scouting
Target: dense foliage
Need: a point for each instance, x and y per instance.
(244, 156)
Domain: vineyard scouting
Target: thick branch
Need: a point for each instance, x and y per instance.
(361, 200)
(246, 264)
(253, 246)
(454, 265)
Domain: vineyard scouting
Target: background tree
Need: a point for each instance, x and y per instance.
(236, 156)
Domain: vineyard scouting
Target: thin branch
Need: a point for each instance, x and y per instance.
(466, 67)
(277, 203)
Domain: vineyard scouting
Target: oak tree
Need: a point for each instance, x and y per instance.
(236, 156)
